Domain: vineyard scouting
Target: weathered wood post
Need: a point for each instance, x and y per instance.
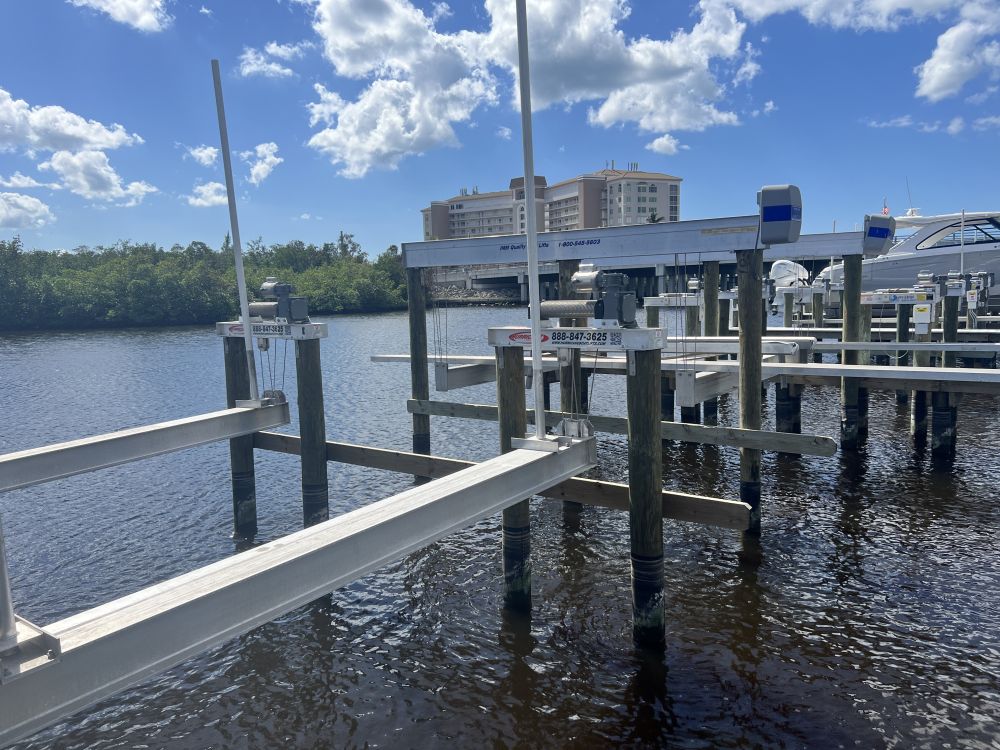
(692, 328)
(817, 315)
(865, 334)
(569, 374)
(851, 312)
(645, 482)
(944, 404)
(240, 448)
(312, 431)
(710, 408)
(918, 407)
(750, 271)
(666, 392)
(416, 303)
(903, 313)
(789, 309)
(517, 518)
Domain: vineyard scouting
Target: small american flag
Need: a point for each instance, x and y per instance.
(885, 208)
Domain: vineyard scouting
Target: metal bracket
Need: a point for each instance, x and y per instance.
(33, 648)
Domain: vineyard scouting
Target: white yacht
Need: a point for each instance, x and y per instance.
(938, 244)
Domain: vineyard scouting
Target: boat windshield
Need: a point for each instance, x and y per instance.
(976, 232)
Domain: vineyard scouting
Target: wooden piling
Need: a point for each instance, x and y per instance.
(516, 519)
(312, 430)
(944, 405)
(903, 313)
(569, 374)
(864, 334)
(918, 401)
(789, 309)
(817, 316)
(645, 467)
(851, 313)
(710, 408)
(750, 270)
(692, 328)
(416, 303)
(240, 448)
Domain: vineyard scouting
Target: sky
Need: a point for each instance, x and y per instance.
(352, 115)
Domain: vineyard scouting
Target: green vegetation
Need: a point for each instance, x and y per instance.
(132, 284)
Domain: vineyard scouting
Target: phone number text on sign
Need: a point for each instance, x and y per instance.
(586, 338)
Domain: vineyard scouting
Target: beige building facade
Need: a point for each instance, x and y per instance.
(606, 198)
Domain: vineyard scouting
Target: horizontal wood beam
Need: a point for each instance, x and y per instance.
(678, 506)
(783, 442)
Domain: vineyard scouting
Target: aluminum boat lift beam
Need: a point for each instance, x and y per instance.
(110, 647)
(695, 241)
(37, 465)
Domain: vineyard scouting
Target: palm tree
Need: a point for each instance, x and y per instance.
(653, 218)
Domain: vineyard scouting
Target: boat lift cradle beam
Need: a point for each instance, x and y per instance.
(38, 465)
(115, 645)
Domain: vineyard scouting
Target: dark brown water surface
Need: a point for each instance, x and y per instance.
(871, 620)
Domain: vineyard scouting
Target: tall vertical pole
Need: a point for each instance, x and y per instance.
(851, 312)
(710, 409)
(241, 281)
(517, 518)
(312, 430)
(943, 404)
(416, 303)
(645, 487)
(240, 448)
(750, 272)
(524, 77)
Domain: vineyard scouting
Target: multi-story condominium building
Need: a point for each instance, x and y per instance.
(606, 198)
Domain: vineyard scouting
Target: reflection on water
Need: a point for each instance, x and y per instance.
(864, 615)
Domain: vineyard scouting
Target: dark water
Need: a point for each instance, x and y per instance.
(872, 620)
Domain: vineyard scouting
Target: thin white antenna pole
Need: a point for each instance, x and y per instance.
(961, 245)
(8, 625)
(241, 281)
(529, 208)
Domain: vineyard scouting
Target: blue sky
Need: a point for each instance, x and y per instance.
(353, 115)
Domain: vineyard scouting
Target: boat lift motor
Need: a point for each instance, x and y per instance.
(879, 231)
(610, 304)
(278, 303)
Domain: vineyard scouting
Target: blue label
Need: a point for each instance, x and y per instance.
(880, 232)
(781, 213)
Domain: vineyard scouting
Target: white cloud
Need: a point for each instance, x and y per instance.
(144, 15)
(19, 211)
(208, 194)
(962, 52)
(254, 63)
(504, 132)
(981, 96)
(903, 121)
(769, 107)
(53, 128)
(204, 155)
(262, 160)
(665, 144)
(326, 109)
(986, 123)
(956, 126)
(205, 11)
(20, 181)
(287, 51)
(422, 81)
(750, 67)
(89, 174)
